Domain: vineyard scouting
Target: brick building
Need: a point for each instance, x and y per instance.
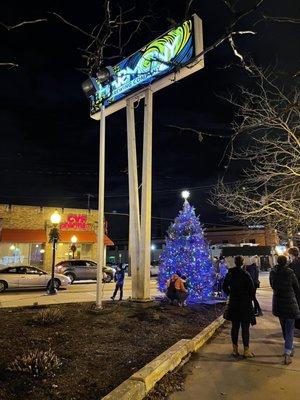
(24, 234)
(241, 234)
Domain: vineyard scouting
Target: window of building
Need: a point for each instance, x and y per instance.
(252, 241)
(21, 253)
(83, 251)
(14, 253)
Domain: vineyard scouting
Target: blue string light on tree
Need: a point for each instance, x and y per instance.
(187, 251)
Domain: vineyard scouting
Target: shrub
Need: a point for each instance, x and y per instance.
(38, 363)
(48, 316)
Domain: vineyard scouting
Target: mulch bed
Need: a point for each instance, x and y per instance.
(98, 351)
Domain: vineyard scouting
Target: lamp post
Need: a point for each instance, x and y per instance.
(53, 237)
(73, 246)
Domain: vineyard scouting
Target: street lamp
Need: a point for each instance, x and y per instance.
(73, 246)
(53, 237)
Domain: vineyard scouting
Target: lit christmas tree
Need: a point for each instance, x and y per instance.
(187, 251)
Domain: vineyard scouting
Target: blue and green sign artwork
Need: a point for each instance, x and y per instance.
(168, 53)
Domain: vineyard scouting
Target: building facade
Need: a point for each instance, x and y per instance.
(24, 235)
(240, 234)
(217, 238)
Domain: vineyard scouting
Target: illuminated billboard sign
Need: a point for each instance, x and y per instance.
(168, 54)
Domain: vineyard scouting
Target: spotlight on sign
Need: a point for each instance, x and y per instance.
(89, 87)
(185, 194)
(105, 75)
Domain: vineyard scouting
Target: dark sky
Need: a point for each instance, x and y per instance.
(49, 145)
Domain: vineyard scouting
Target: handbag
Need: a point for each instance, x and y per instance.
(297, 323)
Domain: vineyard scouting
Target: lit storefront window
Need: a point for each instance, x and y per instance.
(21, 253)
(83, 251)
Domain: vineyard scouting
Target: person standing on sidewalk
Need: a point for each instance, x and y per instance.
(286, 297)
(238, 285)
(253, 271)
(119, 279)
(295, 261)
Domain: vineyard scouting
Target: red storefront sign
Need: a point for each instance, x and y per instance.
(75, 221)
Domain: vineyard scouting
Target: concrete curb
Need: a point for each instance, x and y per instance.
(141, 382)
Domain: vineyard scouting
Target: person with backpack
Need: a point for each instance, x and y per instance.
(295, 261)
(286, 300)
(238, 285)
(253, 271)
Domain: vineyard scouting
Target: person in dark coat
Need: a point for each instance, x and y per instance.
(238, 285)
(253, 271)
(286, 297)
(295, 261)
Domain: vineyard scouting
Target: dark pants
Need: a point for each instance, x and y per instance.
(119, 286)
(182, 296)
(245, 332)
(288, 326)
(257, 309)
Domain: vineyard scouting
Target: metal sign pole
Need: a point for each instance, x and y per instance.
(100, 236)
(145, 244)
(134, 208)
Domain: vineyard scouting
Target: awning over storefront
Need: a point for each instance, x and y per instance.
(23, 236)
(39, 236)
(83, 237)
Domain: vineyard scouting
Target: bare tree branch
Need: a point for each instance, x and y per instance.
(23, 23)
(16, 26)
(282, 19)
(270, 190)
(8, 64)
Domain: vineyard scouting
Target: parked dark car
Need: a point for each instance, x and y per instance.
(78, 270)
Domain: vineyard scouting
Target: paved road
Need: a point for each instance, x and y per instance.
(78, 292)
(213, 375)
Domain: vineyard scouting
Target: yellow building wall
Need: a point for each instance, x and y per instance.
(35, 217)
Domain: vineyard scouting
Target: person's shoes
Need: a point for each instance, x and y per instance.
(247, 353)
(291, 355)
(112, 297)
(287, 359)
(120, 299)
(235, 350)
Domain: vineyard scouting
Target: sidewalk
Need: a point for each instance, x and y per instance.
(76, 293)
(212, 374)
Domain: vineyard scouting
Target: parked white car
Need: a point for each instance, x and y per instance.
(154, 268)
(27, 277)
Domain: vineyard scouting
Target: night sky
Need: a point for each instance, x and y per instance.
(49, 144)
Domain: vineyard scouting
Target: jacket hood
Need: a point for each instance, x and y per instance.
(282, 270)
